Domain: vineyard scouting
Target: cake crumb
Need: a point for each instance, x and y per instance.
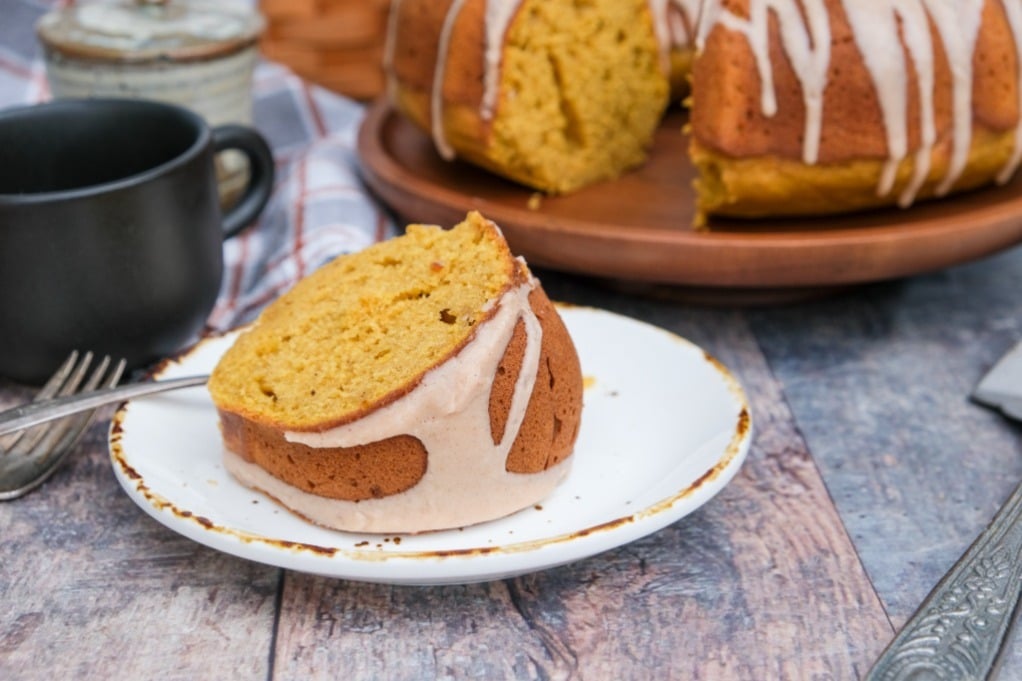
(535, 200)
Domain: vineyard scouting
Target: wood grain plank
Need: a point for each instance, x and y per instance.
(879, 383)
(762, 582)
(92, 588)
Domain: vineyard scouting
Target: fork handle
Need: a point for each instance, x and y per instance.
(34, 413)
(959, 630)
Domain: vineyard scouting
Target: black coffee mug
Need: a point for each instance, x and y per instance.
(111, 233)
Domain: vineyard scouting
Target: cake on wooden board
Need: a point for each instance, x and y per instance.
(423, 383)
(796, 106)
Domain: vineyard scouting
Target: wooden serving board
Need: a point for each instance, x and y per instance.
(639, 228)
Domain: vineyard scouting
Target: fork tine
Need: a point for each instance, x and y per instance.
(76, 376)
(22, 442)
(97, 374)
(115, 376)
(79, 422)
(54, 435)
(62, 435)
(58, 378)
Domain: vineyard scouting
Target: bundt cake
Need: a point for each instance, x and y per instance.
(827, 106)
(555, 95)
(796, 106)
(423, 383)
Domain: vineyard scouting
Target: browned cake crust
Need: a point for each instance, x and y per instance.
(417, 28)
(552, 95)
(552, 418)
(390, 466)
(418, 25)
(751, 164)
(727, 116)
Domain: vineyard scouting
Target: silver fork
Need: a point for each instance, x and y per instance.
(30, 456)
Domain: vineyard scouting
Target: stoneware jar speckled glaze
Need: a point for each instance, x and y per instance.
(199, 54)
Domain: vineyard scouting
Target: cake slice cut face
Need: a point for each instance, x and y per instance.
(423, 383)
(553, 94)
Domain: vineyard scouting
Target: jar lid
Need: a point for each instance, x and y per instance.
(144, 30)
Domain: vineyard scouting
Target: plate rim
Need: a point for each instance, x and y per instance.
(505, 559)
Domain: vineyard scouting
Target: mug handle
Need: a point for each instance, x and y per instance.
(261, 169)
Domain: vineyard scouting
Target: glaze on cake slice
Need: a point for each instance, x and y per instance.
(423, 383)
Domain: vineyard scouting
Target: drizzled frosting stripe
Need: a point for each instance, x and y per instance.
(808, 47)
(880, 28)
(1013, 10)
(448, 411)
(682, 18)
(497, 18)
(883, 30)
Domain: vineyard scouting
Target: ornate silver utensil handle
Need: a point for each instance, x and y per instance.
(959, 630)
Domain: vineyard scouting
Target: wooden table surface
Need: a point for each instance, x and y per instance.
(869, 474)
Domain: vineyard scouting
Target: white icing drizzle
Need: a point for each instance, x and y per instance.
(883, 30)
(675, 23)
(517, 492)
(880, 47)
(880, 29)
(448, 411)
(439, 73)
(876, 31)
(958, 25)
(807, 45)
(875, 27)
(390, 47)
(685, 33)
(497, 17)
(1013, 11)
(920, 47)
(709, 16)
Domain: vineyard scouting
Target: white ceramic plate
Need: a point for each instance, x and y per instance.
(664, 428)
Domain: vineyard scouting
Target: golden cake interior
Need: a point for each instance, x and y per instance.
(372, 332)
(580, 94)
(348, 336)
(801, 108)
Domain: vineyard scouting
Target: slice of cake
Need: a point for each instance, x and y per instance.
(554, 95)
(423, 383)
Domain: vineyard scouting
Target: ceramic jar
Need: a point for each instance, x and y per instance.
(198, 54)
